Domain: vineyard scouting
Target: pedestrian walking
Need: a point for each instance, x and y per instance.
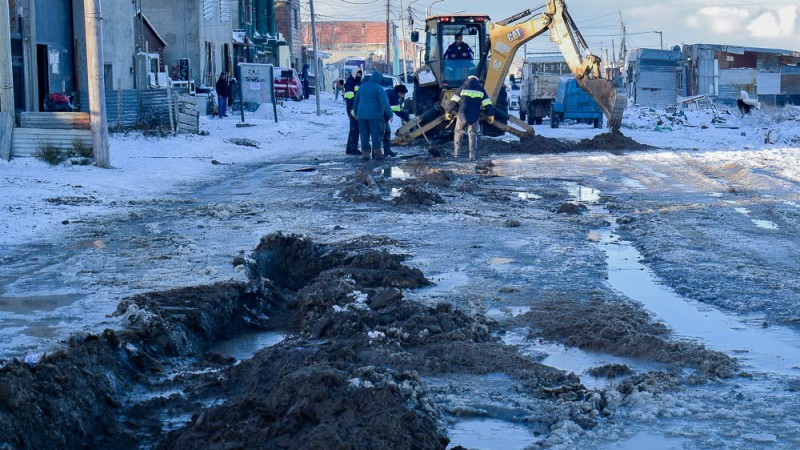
(469, 99)
(351, 86)
(304, 79)
(396, 96)
(371, 108)
(223, 92)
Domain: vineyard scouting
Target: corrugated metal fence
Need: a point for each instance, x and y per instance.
(130, 107)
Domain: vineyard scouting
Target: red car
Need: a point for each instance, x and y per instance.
(287, 84)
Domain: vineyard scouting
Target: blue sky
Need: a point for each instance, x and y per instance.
(768, 23)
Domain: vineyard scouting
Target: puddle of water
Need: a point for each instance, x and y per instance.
(571, 359)
(646, 440)
(765, 224)
(715, 194)
(490, 434)
(397, 173)
(497, 260)
(527, 196)
(507, 311)
(245, 345)
(773, 349)
(24, 305)
(583, 194)
(446, 282)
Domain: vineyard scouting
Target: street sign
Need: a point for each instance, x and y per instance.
(257, 84)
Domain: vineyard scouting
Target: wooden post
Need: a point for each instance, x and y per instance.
(93, 20)
(169, 110)
(119, 103)
(6, 82)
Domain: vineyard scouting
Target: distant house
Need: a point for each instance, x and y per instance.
(654, 76)
(722, 71)
(361, 39)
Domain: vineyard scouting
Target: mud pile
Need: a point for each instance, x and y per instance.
(612, 141)
(416, 196)
(620, 329)
(348, 376)
(72, 398)
(535, 144)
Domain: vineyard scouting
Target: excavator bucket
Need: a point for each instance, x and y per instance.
(610, 98)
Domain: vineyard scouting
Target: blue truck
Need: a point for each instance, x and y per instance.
(573, 103)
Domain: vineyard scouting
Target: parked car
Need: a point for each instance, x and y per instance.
(287, 84)
(573, 103)
(513, 97)
(387, 82)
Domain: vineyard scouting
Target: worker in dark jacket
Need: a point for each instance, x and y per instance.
(458, 49)
(469, 99)
(371, 108)
(223, 92)
(304, 78)
(396, 96)
(351, 86)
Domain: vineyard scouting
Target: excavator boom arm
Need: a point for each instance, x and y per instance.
(507, 39)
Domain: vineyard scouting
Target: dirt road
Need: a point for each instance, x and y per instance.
(577, 299)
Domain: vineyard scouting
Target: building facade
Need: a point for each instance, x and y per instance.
(722, 71)
(654, 77)
(288, 27)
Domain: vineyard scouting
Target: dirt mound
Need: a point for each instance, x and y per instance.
(621, 329)
(613, 140)
(535, 144)
(413, 195)
(572, 209)
(72, 398)
(319, 405)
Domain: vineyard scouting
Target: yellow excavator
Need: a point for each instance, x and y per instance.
(492, 46)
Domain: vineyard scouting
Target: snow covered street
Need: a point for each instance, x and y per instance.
(678, 263)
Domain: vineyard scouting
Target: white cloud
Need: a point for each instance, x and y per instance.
(719, 20)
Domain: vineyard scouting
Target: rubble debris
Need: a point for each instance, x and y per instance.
(413, 195)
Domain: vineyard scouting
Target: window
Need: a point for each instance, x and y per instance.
(460, 65)
(247, 12)
(296, 14)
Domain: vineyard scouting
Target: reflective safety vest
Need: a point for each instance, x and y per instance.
(469, 99)
(350, 88)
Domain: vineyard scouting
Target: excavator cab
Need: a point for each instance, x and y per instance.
(467, 36)
(444, 71)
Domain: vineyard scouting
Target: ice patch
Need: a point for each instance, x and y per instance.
(490, 434)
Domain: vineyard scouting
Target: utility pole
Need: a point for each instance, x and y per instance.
(661, 36)
(6, 82)
(622, 48)
(403, 35)
(93, 21)
(413, 44)
(388, 71)
(317, 72)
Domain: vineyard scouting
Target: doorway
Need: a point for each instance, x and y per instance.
(43, 73)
